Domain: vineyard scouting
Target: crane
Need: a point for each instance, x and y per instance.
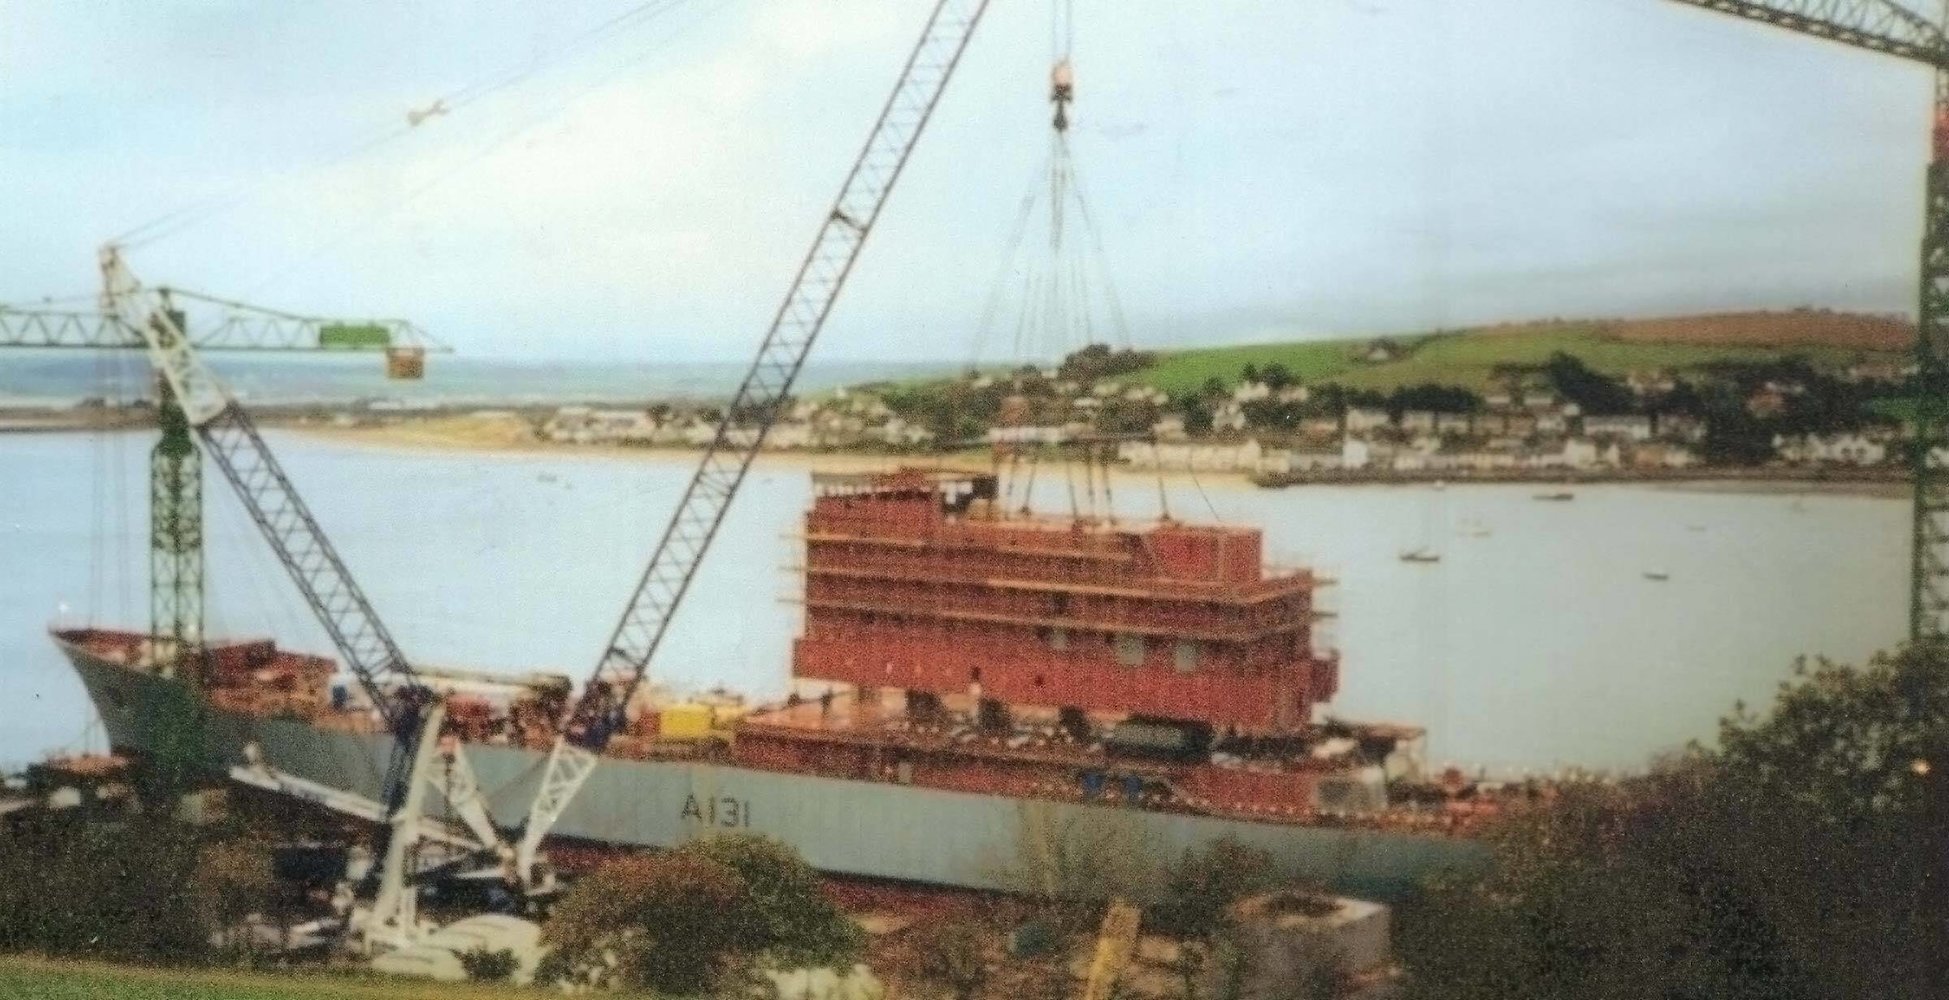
(592, 716)
(176, 495)
(1888, 27)
(411, 711)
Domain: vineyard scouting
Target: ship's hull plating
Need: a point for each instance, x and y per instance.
(875, 829)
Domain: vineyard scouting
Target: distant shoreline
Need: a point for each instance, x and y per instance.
(512, 435)
(1875, 481)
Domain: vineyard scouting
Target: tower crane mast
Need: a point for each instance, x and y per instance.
(594, 714)
(412, 713)
(176, 482)
(1889, 27)
(233, 442)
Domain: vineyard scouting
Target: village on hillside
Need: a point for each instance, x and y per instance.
(1560, 416)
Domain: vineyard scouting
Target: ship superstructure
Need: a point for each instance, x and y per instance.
(916, 581)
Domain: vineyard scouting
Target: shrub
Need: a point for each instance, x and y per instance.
(121, 889)
(953, 954)
(799, 926)
(673, 923)
(484, 966)
(1199, 888)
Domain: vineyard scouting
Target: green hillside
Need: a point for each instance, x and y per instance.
(1470, 358)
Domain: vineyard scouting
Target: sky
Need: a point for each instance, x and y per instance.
(1256, 170)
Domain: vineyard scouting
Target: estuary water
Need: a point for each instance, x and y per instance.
(1597, 631)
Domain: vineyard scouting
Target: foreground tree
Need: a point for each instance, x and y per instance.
(103, 888)
(1805, 857)
(669, 923)
(798, 924)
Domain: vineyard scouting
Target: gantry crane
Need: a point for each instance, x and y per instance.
(596, 712)
(1888, 27)
(176, 487)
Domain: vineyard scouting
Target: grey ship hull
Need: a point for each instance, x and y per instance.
(862, 828)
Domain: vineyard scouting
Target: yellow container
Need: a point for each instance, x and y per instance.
(685, 721)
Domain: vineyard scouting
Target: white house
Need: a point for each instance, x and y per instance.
(1360, 418)
(1629, 427)
(1169, 427)
(1831, 449)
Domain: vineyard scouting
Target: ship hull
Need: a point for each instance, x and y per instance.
(860, 828)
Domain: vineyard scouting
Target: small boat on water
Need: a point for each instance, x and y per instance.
(1557, 497)
(1423, 554)
(1657, 575)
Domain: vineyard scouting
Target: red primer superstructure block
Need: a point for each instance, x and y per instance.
(914, 581)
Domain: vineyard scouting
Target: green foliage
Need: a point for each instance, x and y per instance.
(1596, 393)
(1432, 397)
(953, 954)
(1096, 362)
(485, 966)
(233, 880)
(671, 923)
(801, 927)
(179, 754)
(1197, 416)
(1204, 883)
(1803, 858)
(1074, 864)
(121, 889)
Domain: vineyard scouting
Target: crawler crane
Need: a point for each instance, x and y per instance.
(596, 713)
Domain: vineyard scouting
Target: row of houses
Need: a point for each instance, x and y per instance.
(805, 427)
(1357, 454)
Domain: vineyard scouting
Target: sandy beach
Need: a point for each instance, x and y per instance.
(513, 435)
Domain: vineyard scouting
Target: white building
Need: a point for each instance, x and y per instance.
(1831, 449)
(1360, 418)
(1628, 427)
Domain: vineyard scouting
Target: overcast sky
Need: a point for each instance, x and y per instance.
(1258, 169)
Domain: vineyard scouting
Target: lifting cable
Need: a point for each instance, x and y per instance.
(363, 224)
(195, 213)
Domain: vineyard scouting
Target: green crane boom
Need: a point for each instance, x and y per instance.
(1890, 28)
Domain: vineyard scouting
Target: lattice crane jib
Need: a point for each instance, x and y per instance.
(176, 541)
(239, 452)
(1892, 28)
(595, 713)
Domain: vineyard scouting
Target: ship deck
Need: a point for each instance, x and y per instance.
(875, 740)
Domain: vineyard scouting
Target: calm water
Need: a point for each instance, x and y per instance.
(61, 377)
(1536, 644)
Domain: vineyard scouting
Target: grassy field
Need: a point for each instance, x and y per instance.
(1470, 358)
(24, 978)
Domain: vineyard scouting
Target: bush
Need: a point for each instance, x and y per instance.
(1801, 859)
(116, 889)
(672, 923)
(1203, 884)
(484, 966)
(953, 954)
(800, 926)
